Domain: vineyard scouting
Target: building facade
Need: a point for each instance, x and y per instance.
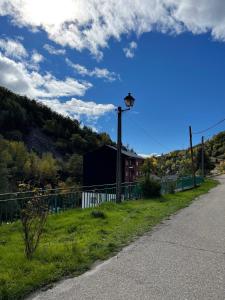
(99, 166)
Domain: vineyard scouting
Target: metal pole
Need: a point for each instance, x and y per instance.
(203, 158)
(118, 163)
(192, 157)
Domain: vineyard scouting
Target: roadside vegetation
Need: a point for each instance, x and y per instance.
(73, 240)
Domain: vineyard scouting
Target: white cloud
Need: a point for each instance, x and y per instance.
(53, 50)
(129, 51)
(96, 72)
(13, 48)
(36, 57)
(148, 155)
(17, 77)
(89, 24)
(77, 108)
(22, 79)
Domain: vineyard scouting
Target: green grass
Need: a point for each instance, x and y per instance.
(75, 239)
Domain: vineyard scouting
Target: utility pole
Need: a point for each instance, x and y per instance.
(203, 158)
(192, 157)
(118, 164)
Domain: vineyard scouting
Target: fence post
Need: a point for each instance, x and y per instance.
(55, 203)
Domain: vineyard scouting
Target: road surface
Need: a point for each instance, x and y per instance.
(183, 258)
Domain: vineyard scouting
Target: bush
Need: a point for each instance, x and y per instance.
(34, 213)
(171, 186)
(222, 167)
(98, 214)
(150, 188)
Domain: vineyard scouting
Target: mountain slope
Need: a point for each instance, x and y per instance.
(40, 148)
(42, 129)
(179, 161)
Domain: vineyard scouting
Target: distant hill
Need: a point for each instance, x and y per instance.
(40, 147)
(179, 161)
(44, 130)
(216, 146)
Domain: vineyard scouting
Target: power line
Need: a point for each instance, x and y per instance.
(150, 136)
(211, 127)
(153, 138)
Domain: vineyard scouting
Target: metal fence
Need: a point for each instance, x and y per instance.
(180, 184)
(59, 200)
(12, 203)
(97, 195)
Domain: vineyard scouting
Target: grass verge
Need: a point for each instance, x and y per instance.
(75, 239)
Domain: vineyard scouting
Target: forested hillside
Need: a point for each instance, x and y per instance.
(39, 146)
(179, 162)
(42, 129)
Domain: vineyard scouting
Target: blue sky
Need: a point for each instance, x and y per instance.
(82, 58)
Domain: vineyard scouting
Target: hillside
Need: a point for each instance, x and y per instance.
(42, 129)
(179, 161)
(39, 146)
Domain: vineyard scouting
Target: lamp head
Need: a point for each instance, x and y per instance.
(129, 100)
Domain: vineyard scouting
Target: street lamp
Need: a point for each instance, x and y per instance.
(129, 101)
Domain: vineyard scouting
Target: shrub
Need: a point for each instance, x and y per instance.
(72, 228)
(222, 167)
(150, 188)
(98, 214)
(34, 214)
(171, 186)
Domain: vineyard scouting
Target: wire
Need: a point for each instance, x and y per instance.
(150, 136)
(211, 127)
(153, 138)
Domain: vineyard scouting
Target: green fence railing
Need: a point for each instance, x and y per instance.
(180, 184)
(58, 200)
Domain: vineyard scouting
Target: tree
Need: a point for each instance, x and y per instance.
(185, 167)
(4, 176)
(207, 163)
(150, 187)
(78, 142)
(105, 138)
(31, 168)
(75, 168)
(19, 156)
(149, 167)
(48, 169)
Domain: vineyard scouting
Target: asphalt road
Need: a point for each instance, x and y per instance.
(183, 258)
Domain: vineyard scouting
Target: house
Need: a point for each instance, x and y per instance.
(99, 166)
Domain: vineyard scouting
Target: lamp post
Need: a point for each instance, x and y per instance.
(129, 101)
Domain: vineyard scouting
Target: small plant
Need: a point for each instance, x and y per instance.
(33, 218)
(171, 187)
(72, 228)
(150, 188)
(222, 167)
(98, 214)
